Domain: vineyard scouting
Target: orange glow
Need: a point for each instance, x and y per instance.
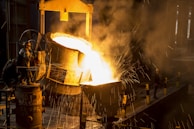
(100, 70)
(72, 42)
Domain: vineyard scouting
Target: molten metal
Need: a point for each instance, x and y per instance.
(100, 70)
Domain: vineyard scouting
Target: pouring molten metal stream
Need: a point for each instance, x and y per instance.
(101, 71)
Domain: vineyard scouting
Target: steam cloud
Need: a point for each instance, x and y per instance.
(141, 29)
(134, 28)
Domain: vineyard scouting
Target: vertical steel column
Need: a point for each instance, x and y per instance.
(88, 25)
(42, 18)
(42, 22)
(8, 26)
(165, 85)
(82, 115)
(147, 94)
(7, 110)
(8, 92)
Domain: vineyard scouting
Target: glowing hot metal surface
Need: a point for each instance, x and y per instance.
(100, 70)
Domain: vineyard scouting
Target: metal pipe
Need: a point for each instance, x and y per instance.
(8, 26)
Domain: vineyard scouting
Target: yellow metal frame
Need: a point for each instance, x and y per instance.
(64, 7)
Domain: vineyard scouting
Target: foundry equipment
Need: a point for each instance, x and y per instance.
(65, 7)
(62, 77)
(105, 98)
(65, 72)
(28, 96)
(60, 70)
(29, 107)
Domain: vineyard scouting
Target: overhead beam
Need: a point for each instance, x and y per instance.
(64, 7)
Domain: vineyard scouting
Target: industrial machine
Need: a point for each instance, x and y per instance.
(58, 73)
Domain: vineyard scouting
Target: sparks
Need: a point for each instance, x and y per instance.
(100, 70)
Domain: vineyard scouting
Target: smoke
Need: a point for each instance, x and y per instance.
(160, 46)
(142, 30)
(111, 27)
(156, 34)
(75, 24)
(136, 32)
